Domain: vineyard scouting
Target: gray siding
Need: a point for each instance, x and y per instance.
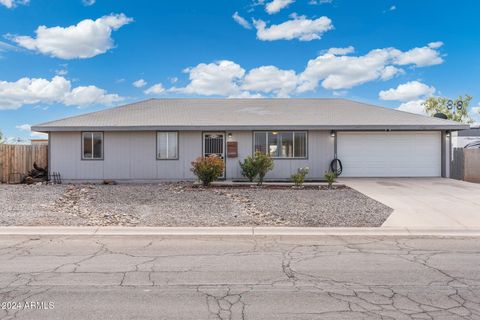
(131, 156)
(320, 153)
(244, 140)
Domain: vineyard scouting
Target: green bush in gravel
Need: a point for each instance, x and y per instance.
(256, 167)
(249, 169)
(263, 164)
(298, 178)
(330, 177)
(208, 169)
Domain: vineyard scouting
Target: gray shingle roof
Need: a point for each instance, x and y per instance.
(248, 114)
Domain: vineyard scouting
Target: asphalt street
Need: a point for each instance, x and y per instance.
(153, 277)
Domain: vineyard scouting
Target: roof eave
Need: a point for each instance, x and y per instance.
(451, 127)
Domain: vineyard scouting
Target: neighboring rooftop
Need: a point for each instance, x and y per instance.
(248, 114)
(472, 132)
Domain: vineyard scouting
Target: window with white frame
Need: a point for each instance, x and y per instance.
(281, 144)
(92, 145)
(167, 145)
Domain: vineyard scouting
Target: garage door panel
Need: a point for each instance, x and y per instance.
(390, 154)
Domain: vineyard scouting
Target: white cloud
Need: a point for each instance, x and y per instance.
(61, 72)
(24, 127)
(88, 95)
(218, 78)
(435, 45)
(341, 51)
(88, 2)
(392, 8)
(38, 135)
(299, 27)
(5, 46)
(27, 128)
(13, 3)
(241, 21)
(344, 72)
(86, 39)
(140, 83)
(270, 79)
(333, 70)
(155, 89)
(313, 2)
(27, 91)
(475, 115)
(406, 92)
(389, 72)
(7, 3)
(340, 93)
(414, 106)
(421, 57)
(277, 5)
(336, 71)
(246, 95)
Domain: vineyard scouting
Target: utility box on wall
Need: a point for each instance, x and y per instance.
(232, 149)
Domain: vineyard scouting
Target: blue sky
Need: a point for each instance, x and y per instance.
(89, 53)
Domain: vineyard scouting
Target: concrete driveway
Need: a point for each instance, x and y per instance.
(424, 202)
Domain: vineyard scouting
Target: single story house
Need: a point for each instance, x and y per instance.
(158, 139)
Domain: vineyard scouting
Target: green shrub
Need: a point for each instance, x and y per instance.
(249, 169)
(263, 164)
(299, 177)
(330, 177)
(208, 169)
(256, 167)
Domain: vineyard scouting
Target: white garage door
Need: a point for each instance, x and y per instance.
(390, 154)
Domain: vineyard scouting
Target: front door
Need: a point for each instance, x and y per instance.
(214, 144)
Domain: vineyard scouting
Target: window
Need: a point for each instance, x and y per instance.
(281, 144)
(92, 145)
(167, 145)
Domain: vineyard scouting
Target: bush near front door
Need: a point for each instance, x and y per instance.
(208, 169)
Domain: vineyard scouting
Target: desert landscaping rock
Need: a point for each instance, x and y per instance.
(183, 204)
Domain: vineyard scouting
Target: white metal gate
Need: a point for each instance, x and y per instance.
(214, 145)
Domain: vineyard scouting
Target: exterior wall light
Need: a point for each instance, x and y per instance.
(333, 133)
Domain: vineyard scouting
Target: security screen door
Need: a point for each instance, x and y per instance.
(214, 144)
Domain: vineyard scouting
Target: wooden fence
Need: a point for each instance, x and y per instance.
(19, 159)
(466, 164)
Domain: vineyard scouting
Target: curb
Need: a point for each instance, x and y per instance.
(234, 231)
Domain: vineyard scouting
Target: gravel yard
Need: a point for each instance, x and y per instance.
(179, 204)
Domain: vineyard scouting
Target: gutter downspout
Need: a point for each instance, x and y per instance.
(49, 160)
(446, 153)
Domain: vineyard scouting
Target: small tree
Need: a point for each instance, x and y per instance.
(330, 177)
(439, 104)
(208, 169)
(249, 170)
(1, 137)
(263, 164)
(299, 177)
